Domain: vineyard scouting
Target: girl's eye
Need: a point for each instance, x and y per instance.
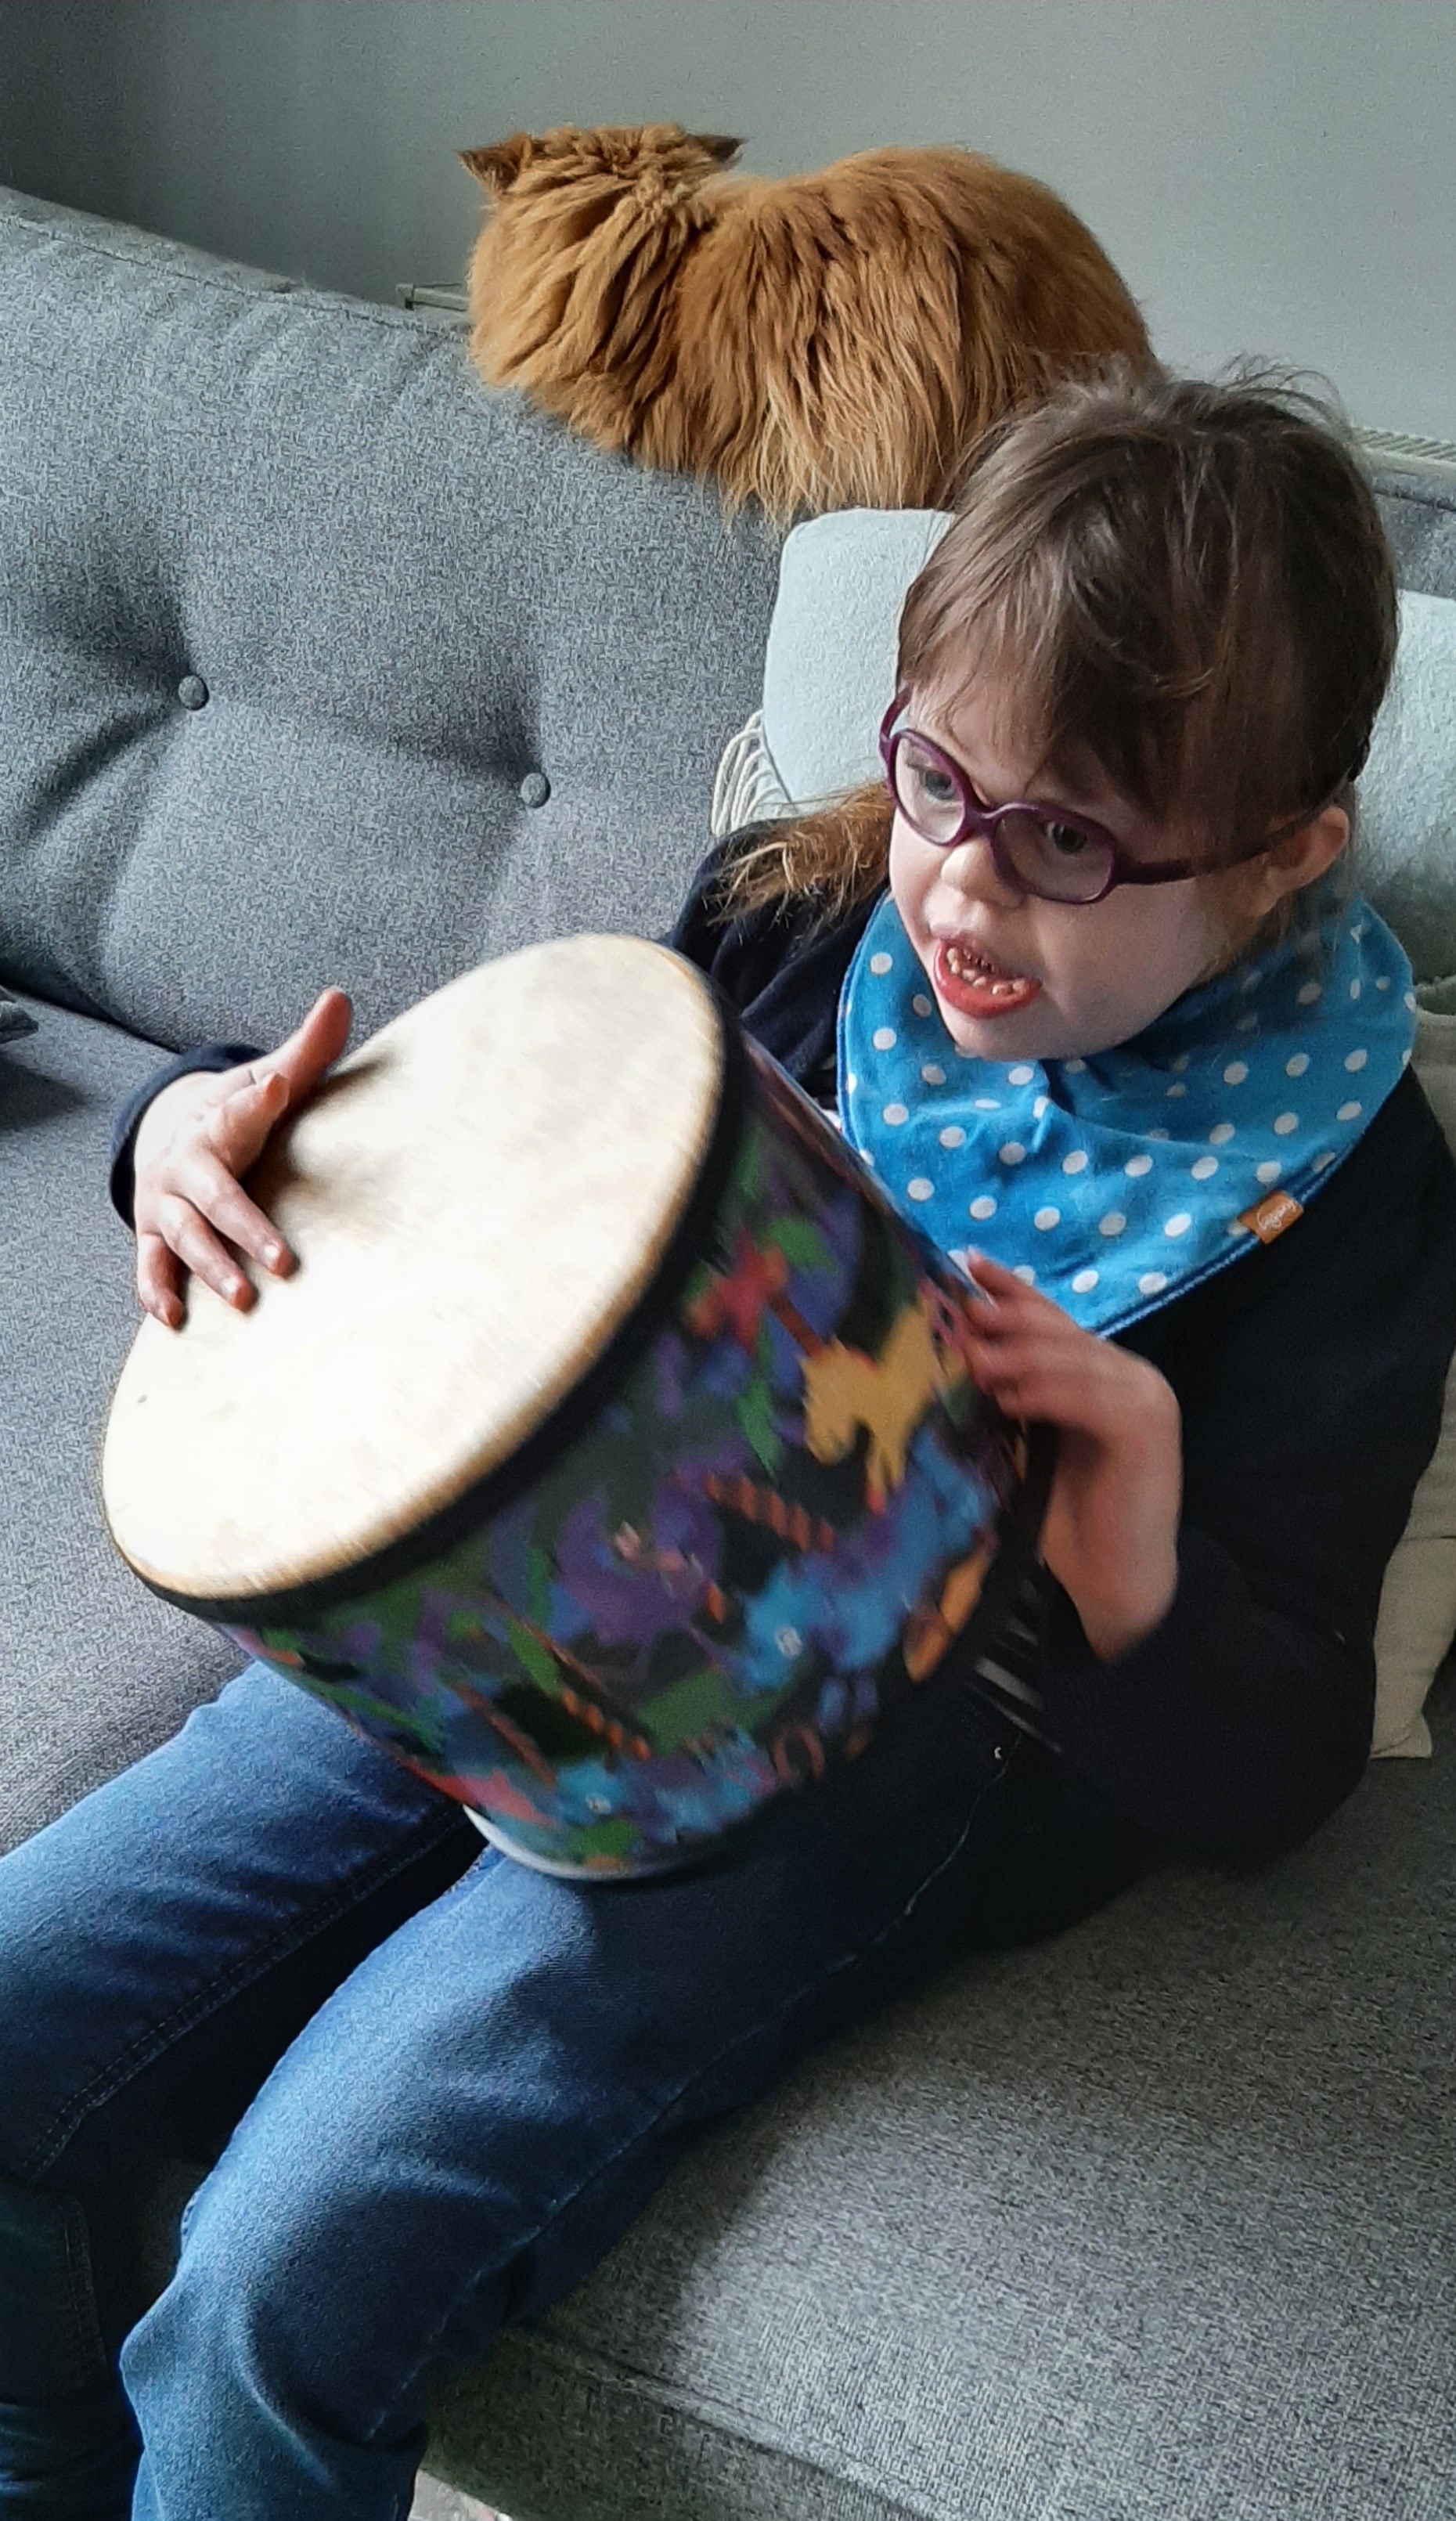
(927, 787)
(1067, 841)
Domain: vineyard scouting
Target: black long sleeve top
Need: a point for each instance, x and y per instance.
(1310, 1374)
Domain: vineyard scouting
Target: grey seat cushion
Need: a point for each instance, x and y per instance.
(94, 1669)
(1155, 2223)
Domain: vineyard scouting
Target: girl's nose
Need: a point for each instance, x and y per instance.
(971, 869)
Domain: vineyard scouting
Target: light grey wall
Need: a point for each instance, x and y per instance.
(1274, 176)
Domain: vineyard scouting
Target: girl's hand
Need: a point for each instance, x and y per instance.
(1111, 1533)
(194, 1140)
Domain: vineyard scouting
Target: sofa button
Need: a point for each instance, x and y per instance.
(192, 692)
(535, 788)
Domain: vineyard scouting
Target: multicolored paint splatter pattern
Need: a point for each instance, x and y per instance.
(777, 1525)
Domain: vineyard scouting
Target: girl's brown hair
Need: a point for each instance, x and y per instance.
(1191, 581)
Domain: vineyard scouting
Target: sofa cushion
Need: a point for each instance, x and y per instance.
(94, 1669)
(1151, 2223)
(235, 770)
(15, 1018)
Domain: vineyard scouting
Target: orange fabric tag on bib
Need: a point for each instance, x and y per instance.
(1271, 1215)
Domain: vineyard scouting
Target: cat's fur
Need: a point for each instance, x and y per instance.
(813, 341)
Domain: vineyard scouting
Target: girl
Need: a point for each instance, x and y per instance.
(1085, 983)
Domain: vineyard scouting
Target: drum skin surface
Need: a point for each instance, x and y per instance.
(476, 1195)
(748, 1502)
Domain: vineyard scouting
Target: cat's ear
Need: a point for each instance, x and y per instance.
(497, 168)
(721, 151)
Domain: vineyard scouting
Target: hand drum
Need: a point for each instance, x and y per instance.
(611, 1459)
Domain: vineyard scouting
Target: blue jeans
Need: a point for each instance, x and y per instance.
(435, 2086)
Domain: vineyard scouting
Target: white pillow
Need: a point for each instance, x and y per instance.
(828, 679)
(1418, 1602)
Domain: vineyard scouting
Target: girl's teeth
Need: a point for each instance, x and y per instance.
(961, 969)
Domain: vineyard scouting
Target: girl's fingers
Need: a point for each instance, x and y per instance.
(156, 1281)
(1005, 1334)
(194, 1242)
(1062, 1399)
(210, 1186)
(1004, 1286)
(238, 1128)
(993, 1275)
(312, 1049)
(1127, 1410)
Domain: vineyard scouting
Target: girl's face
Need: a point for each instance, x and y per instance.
(1017, 978)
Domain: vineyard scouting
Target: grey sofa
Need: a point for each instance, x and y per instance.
(1151, 2224)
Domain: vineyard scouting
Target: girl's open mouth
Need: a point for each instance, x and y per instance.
(970, 982)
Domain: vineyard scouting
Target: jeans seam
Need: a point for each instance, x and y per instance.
(79, 2286)
(130, 2061)
(848, 1960)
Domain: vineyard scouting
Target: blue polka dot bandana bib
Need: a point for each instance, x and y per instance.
(1116, 1181)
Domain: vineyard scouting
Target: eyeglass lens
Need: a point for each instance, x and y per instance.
(1051, 858)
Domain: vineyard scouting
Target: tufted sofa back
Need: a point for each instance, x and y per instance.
(319, 662)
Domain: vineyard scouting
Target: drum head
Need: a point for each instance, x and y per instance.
(479, 1198)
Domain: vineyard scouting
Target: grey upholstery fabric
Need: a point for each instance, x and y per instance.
(1417, 508)
(292, 608)
(15, 1018)
(1151, 2224)
(94, 1669)
(1154, 2224)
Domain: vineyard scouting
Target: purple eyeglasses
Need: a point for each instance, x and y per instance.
(1058, 858)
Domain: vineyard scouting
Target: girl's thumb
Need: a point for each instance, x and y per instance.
(249, 1114)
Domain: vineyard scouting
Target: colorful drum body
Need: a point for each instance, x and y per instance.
(756, 1520)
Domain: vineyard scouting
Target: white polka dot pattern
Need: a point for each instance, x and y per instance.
(1126, 1170)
